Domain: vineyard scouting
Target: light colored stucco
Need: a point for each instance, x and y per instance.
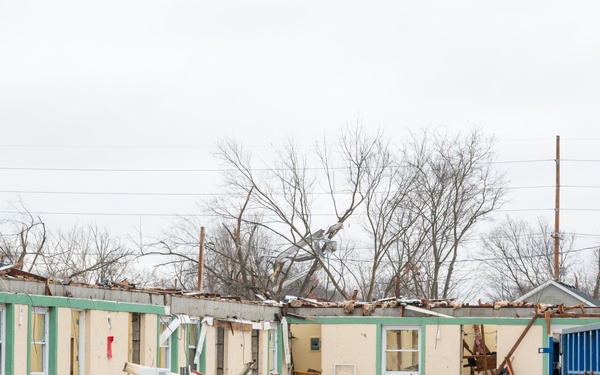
(349, 344)
(21, 346)
(101, 325)
(148, 339)
(211, 350)
(238, 351)
(64, 341)
(526, 359)
(304, 357)
(442, 349)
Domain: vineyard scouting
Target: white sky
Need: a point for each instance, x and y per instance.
(153, 85)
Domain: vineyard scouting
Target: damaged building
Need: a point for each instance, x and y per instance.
(52, 327)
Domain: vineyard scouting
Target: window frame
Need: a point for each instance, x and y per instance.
(165, 320)
(385, 351)
(273, 360)
(194, 324)
(44, 344)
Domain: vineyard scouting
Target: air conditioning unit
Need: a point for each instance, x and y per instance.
(154, 371)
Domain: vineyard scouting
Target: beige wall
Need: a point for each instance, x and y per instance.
(304, 358)
(526, 359)
(183, 345)
(443, 351)
(21, 344)
(238, 351)
(98, 329)
(148, 339)
(64, 341)
(211, 349)
(348, 343)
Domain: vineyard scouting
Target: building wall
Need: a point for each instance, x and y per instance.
(238, 351)
(443, 353)
(304, 357)
(21, 346)
(526, 359)
(100, 325)
(349, 344)
(148, 339)
(64, 341)
(210, 349)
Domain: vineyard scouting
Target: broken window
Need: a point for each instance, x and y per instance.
(402, 347)
(193, 333)
(273, 350)
(165, 347)
(479, 348)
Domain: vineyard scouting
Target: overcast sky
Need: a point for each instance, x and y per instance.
(152, 85)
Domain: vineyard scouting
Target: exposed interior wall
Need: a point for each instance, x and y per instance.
(349, 344)
(102, 324)
(21, 346)
(469, 336)
(526, 359)
(148, 339)
(442, 351)
(63, 351)
(238, 350)
(304, 357)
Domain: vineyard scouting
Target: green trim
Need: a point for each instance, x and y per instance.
(53, 341)
(83, 304)
(175, 351)
(9, 339)
(203, 357)
(545, 343)
(158, 342)
(279, 349)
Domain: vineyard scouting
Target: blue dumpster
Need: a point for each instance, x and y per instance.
(580, 350)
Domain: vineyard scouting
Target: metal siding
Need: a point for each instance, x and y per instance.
(581, 351)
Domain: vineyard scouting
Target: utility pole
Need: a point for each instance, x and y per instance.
(201, 259)
(557, 214)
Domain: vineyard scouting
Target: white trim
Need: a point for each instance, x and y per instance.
(384, 329)
(81, 342)
(46, 313)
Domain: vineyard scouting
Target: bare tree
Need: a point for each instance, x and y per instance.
(23, 239)
(284, 192)
(519, 256)
(457, 188)
(87, 255)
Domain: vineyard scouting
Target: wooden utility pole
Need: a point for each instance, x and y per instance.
(557, 214)
(201, 259)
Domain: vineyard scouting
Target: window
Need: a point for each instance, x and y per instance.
(193, 332)
(401, 354)
(38, 351)
(273, 350)
(165, 347)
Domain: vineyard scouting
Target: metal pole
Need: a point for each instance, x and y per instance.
(557, 214)
(201, 259)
